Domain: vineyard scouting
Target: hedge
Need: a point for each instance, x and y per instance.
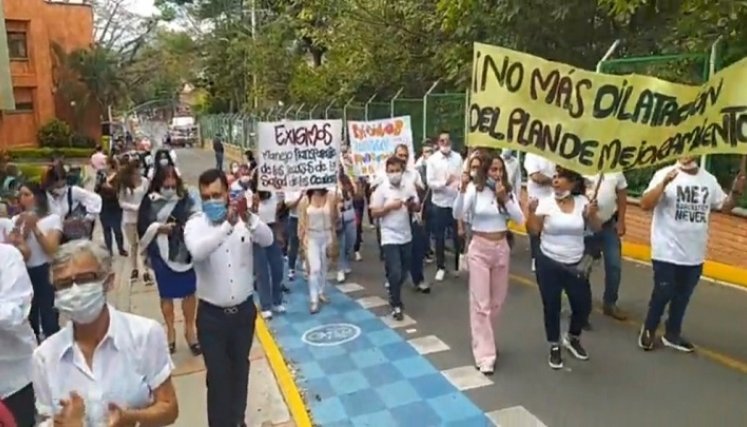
(46, 154)
(30, 171)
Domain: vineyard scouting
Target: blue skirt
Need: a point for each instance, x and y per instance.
(171, 284)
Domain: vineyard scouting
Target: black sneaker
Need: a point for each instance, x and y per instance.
(397, 314)
(573, 344)
(646, 339)
(556, 357)
(286, 289)
(678, 343)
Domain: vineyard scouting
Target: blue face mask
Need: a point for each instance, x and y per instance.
(490, 183)
(215, 210)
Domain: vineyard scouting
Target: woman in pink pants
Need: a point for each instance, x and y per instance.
(488, 199)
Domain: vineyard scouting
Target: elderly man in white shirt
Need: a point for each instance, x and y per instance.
(540, 173)
(612, 199)
(17, 339)
(105, 367)
(220, 239)
(443, 173)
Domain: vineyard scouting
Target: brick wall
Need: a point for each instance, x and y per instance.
(727, 243)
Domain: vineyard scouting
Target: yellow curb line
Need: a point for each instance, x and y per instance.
(296, 405)
(715, 356)
(723, 274)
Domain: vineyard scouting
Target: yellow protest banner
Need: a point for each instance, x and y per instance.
(592, 122)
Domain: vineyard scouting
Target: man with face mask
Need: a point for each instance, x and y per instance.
(392, 203)
(443, 173)
(68, 395)
(220, 240)
(681, 197)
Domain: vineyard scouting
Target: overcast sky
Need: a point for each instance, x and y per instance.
(142, 7)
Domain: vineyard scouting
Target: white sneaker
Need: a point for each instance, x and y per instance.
(291, 274)
(358, 256)
(267, 314)
(348, 270)
(340, 276)
(386, 284)
(534, 265)
(440, 275)
(279, 309)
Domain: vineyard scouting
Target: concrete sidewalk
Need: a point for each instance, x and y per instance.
(266, 406)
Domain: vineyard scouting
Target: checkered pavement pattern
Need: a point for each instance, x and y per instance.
(376, 379)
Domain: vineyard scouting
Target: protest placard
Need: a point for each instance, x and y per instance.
(298, 155)
(593, 122)
(372, 142)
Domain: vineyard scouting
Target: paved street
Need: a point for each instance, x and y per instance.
(620, 386)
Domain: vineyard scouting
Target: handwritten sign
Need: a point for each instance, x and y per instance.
(372, 142)
(592, 122)
(298, 155)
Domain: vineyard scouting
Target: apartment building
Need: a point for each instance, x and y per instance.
(29, 94)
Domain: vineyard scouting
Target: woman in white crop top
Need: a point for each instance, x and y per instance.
(487, 199)
(317, 216)
(562, 220)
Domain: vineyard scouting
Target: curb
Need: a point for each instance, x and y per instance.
(722, 274)
(292, 395)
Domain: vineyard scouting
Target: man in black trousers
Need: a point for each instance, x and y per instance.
(220, 240)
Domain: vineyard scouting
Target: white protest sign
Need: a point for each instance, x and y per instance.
(372, 142)
(298, 155)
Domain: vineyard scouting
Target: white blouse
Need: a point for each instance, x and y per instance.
(131, 362)
(482, 209)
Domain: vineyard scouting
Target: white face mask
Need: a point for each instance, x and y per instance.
(395, 178)
(163, 162)
(168, 193)
(473, 174)
(58, 192)
(446, 149)
(560, 195)
(689, 166)
(82, 303)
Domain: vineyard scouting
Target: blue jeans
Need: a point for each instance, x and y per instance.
(268, 266)
(419, 248)
(443, 219)
(608, 242)
(674, 285)
(111, 223)
(346, 237)
(43, 316)
(292, 233)
(396, 263)
(553, 278)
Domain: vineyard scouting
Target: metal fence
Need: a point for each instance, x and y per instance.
(429, 115)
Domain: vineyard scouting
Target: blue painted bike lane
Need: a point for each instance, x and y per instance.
(357, 371)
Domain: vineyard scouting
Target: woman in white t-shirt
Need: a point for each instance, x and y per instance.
(682, 197)
(42, 231)
(562, 220)
(488, 199)
(268, 261)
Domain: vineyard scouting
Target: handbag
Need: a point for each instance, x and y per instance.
(75, 226)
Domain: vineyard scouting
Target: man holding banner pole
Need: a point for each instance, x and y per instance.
(612, 197)
(443, 174)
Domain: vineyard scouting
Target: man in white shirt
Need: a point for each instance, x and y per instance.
(443, 173)
(682, 197)
(392, 202)
(17, 339)
(540, 173)
(220, 239)
(612, 199)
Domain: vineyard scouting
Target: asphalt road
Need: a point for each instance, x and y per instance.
(620, 385)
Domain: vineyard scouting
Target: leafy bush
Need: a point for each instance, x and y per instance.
(55, 133)
(46, 154)
(83, 141)
(31, 172)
